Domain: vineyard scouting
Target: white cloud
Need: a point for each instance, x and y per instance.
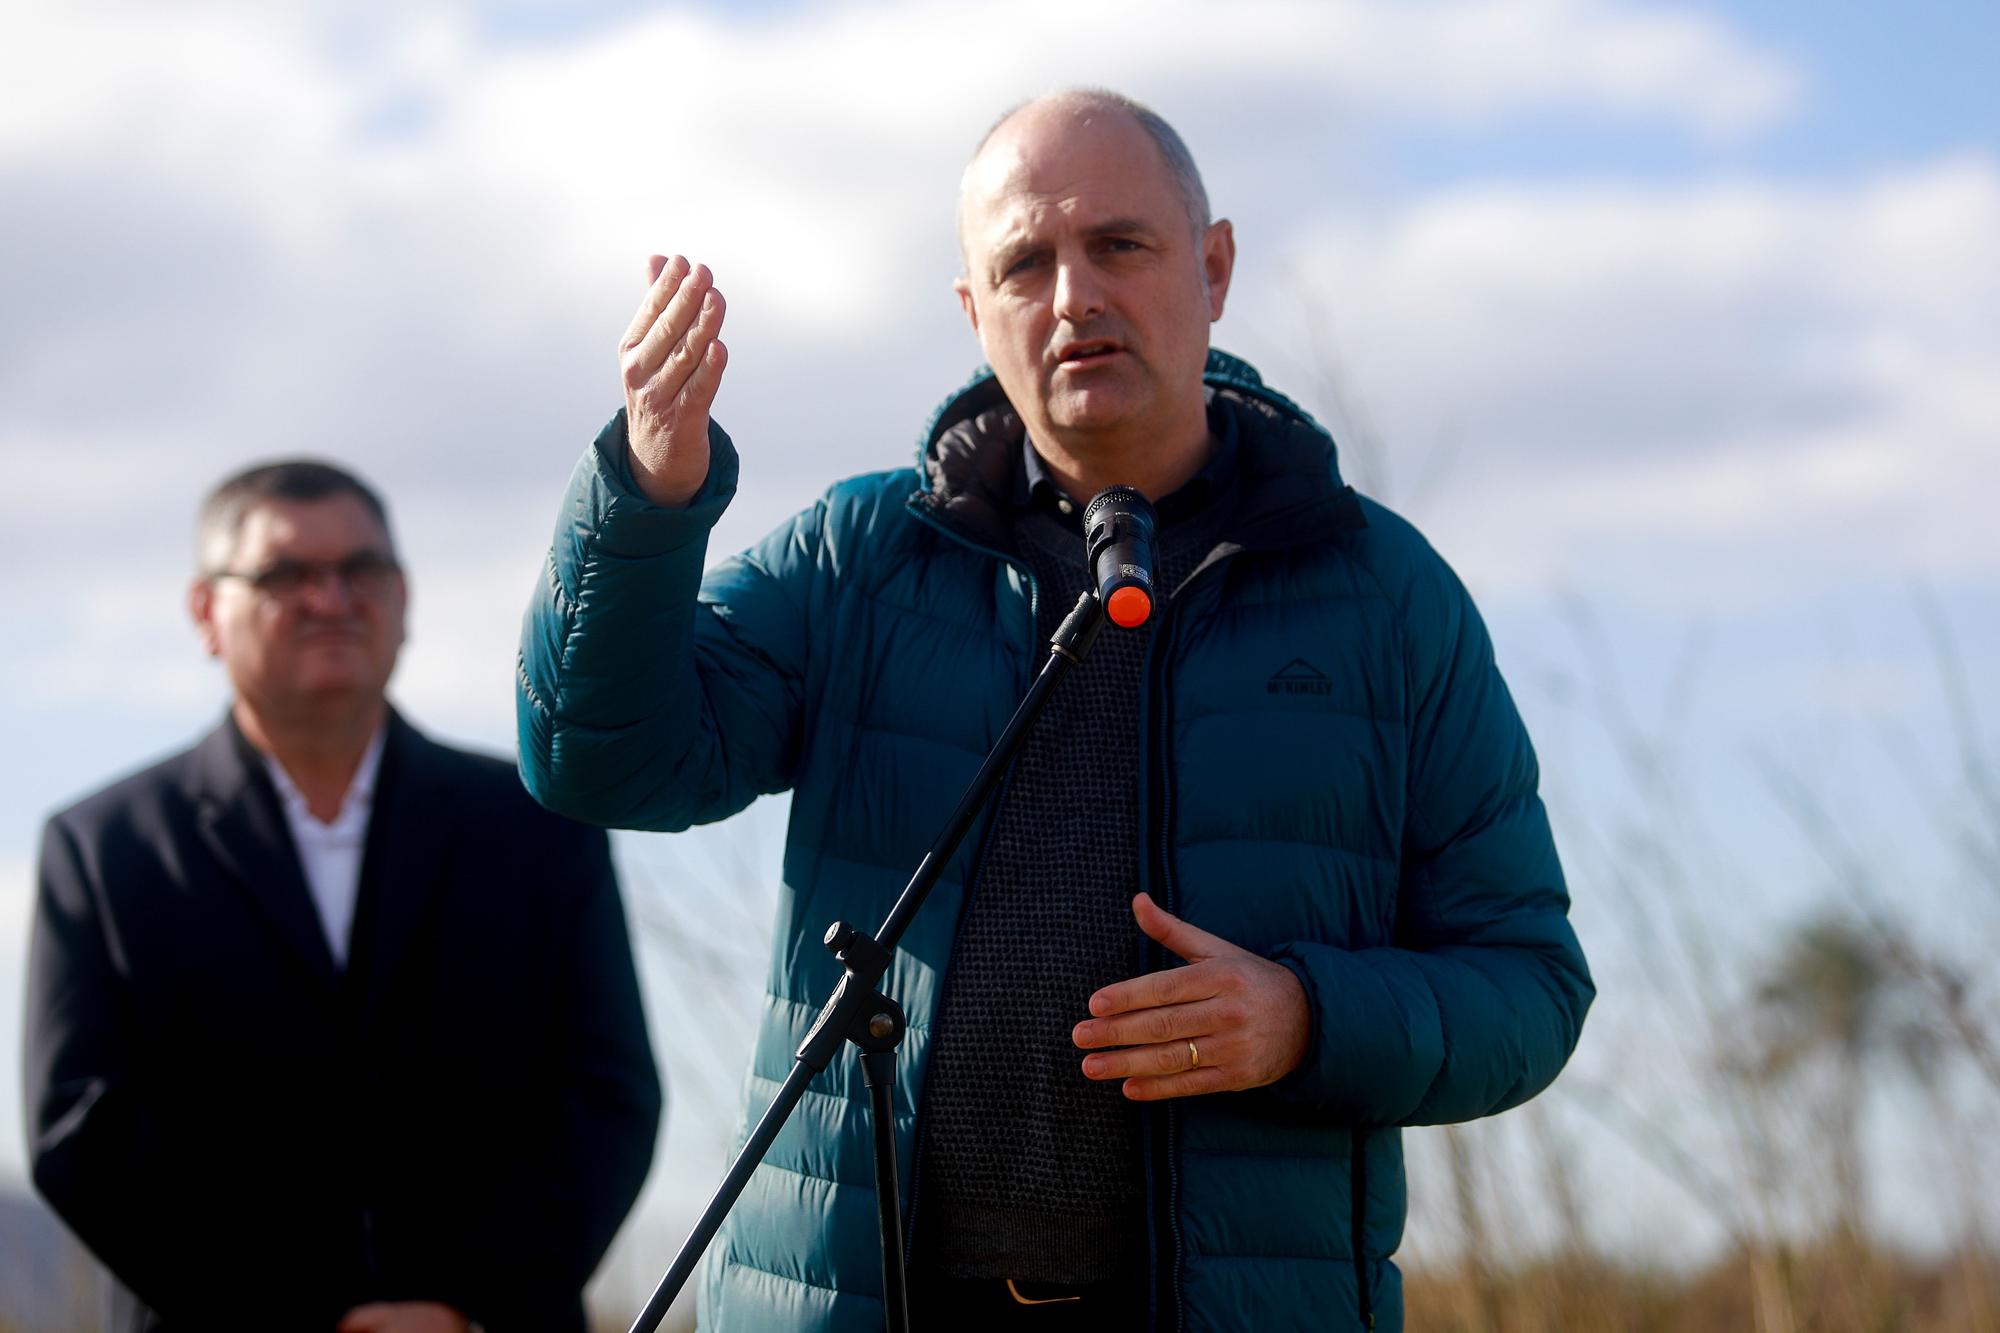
(393, 237)
(804, 155)
(1710, 388)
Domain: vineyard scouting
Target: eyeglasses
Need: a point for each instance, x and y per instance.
(366, 574)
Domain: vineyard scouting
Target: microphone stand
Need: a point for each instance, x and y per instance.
(858, 1012)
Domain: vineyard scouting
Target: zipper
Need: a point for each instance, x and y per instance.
(1161, 813)
(1357, 1180)
(979, 856)
(1164, 880)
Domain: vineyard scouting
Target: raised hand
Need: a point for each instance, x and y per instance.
(1229, 1020)
(672, 363)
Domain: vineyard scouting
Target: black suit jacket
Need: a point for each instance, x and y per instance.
(250, 1137)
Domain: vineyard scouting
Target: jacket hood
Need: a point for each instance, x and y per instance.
(1288, 467)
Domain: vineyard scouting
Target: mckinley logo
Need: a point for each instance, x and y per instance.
(1298, 676)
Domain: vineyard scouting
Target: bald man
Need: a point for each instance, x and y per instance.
(1270, 880)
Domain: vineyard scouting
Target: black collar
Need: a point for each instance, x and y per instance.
(1288, 488)
(1036, 488)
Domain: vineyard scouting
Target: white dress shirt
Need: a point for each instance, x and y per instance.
(330, 854)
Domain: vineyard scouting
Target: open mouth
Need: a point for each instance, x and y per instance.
(1086, 353)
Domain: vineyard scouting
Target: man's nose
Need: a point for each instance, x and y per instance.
(1079, 295)
(326, 592)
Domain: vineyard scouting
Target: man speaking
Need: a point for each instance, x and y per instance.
(1270, 880)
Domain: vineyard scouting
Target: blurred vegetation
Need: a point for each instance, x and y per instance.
(1828, 1288)
(1771, 1079)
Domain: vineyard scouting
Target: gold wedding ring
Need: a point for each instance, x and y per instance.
(1194, 1057)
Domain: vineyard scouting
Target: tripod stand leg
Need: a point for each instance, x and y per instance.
(746, 1162)
(878, 1071)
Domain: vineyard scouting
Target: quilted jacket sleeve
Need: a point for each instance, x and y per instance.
(645, 695)
(1481, 1000)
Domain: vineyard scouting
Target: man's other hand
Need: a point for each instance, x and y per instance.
(672, 363)
(1244, 1016)
(403, 1317)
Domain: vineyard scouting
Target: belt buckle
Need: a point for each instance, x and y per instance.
(1021, 1298)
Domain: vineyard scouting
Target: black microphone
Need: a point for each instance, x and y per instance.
(1118, 529)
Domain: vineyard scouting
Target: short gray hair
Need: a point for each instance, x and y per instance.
(1083, 102)
(223, 512)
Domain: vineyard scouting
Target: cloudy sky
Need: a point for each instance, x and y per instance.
(1675, 325)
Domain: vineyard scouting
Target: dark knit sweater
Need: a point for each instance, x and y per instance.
(1027, 1168)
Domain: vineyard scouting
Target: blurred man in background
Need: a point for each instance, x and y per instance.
(330, 1026)
(1303, 778)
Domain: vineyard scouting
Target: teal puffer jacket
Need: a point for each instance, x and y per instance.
(1335, 776)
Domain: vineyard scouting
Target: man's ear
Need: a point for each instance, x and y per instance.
(1218, 262)
(963, 286)
(201, 609)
